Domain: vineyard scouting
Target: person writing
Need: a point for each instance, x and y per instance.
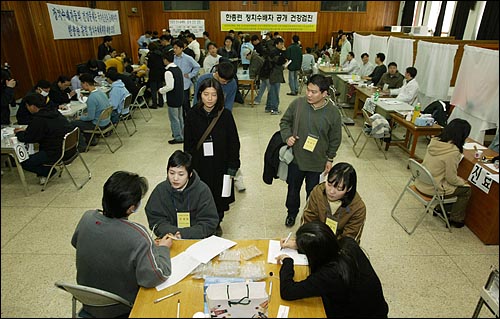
(116, 254)
(442, 157)
(182, 205)
(340, 273)
(337, 203)
(216, 149)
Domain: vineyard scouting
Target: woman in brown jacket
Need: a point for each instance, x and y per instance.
(337, 203)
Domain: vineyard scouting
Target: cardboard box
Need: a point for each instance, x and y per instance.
(238, 300)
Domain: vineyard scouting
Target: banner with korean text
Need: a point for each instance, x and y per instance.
(70, 22)
(195, 26)
(266, 20)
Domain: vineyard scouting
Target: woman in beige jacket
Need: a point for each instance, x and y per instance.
(443, 155)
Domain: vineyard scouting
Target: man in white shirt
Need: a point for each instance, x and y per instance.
(212, 58)
(366, 67)
(408, 92)
(346, 48)
(351, 66)
(194, 45)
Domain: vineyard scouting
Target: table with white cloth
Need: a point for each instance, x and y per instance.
(74, 109)
(342, 82)
(8, 148)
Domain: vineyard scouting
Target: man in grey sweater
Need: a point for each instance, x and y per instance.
(315, 146)
(115, 254)
(183, 204)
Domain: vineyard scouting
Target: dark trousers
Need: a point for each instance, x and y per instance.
(35, 164)
(186, 103)
(156, 98)
(457, 213)
(294, 180)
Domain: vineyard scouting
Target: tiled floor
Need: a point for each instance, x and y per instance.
(432, 273)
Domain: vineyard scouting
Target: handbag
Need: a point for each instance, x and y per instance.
(208, 130)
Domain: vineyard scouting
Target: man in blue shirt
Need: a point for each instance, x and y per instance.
(224, 74)
(144, 40)
(116, 95)
(189, 68)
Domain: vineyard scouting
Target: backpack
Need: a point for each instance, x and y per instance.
(256, 63)
(266, 69)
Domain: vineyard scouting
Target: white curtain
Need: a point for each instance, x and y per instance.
(400, 51)
(378, 44)
(361, 45)
(476, 90)
(434, 64)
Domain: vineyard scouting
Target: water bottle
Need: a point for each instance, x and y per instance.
(376, 95)
(416, 113)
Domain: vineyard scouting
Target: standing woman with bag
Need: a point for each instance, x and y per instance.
(211, 137)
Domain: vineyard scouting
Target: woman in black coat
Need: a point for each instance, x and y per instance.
(219, 154)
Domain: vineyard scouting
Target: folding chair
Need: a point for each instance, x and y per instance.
(332, 95)
(489, 294)
(367, 132)
(303, 78)
(128, 116)
(139, 103)
(91, 297)
(419, 171)
(69, 154)
(106, 114)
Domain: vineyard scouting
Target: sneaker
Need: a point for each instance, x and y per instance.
(267, 111)
(43, 179)
(238, 183)
(256, 102)
(290, 221)
(174, 141)
(275, 112)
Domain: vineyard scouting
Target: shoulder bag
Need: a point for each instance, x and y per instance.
(208, 130)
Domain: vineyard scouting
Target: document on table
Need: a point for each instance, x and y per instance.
(182, 265)
(470, 146)
(208, 248)
(275, 250)
(492, 167)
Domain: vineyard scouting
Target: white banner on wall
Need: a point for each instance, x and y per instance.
(70, 22)
(267, 20)
(195, 26)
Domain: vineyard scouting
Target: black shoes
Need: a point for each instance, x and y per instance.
(437, 211)
(290, 221)
(174, 141)
(456, 224)
(292, 94)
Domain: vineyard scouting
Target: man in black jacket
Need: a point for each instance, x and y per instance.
(60, 92)
(47, 128)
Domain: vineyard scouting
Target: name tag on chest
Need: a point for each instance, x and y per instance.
(208, 148)
(183, 220)
(310, 143)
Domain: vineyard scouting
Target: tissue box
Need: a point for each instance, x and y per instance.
(424, 121)
(238, 300)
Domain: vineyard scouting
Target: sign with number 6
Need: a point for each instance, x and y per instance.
(21, 152)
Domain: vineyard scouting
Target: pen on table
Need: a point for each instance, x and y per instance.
(287, 239)
(178, 308)
(167, 296)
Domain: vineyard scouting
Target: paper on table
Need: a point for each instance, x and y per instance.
(182, 265)
(208, 248)
(470, 146)
(226, 186)
(283, 311)
(492, 167)
(275, 250)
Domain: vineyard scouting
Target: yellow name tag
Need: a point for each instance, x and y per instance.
(310, 143)
(332, 224)
(183, 220)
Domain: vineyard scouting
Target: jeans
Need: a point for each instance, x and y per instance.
(263, 84)
(293, 82)
(176, 122)
(35, 164)
(273, 97)
(294, 180)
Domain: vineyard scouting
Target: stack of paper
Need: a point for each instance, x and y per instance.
(275, 250)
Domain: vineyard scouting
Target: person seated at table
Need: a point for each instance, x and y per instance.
(379, 70)
(116, 95)
(408, 92)
(24, 116)
(114, 61)
(96, 103)
(60, 91)
(337, 203)
(366, 68)
(224, 74)
(307, 62)
(116, 254)
(94, 66)
(350, 65)
(47, 128)
(75, 80)
(183, 204)
(392, 79)
(128, 80)
(442, 157)
(340, 273)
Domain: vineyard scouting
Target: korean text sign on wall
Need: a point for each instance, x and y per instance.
(70, 22)
(263, 20)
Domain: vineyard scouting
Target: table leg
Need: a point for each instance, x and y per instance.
(252, 88)
(414, 145)
(356, 106)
